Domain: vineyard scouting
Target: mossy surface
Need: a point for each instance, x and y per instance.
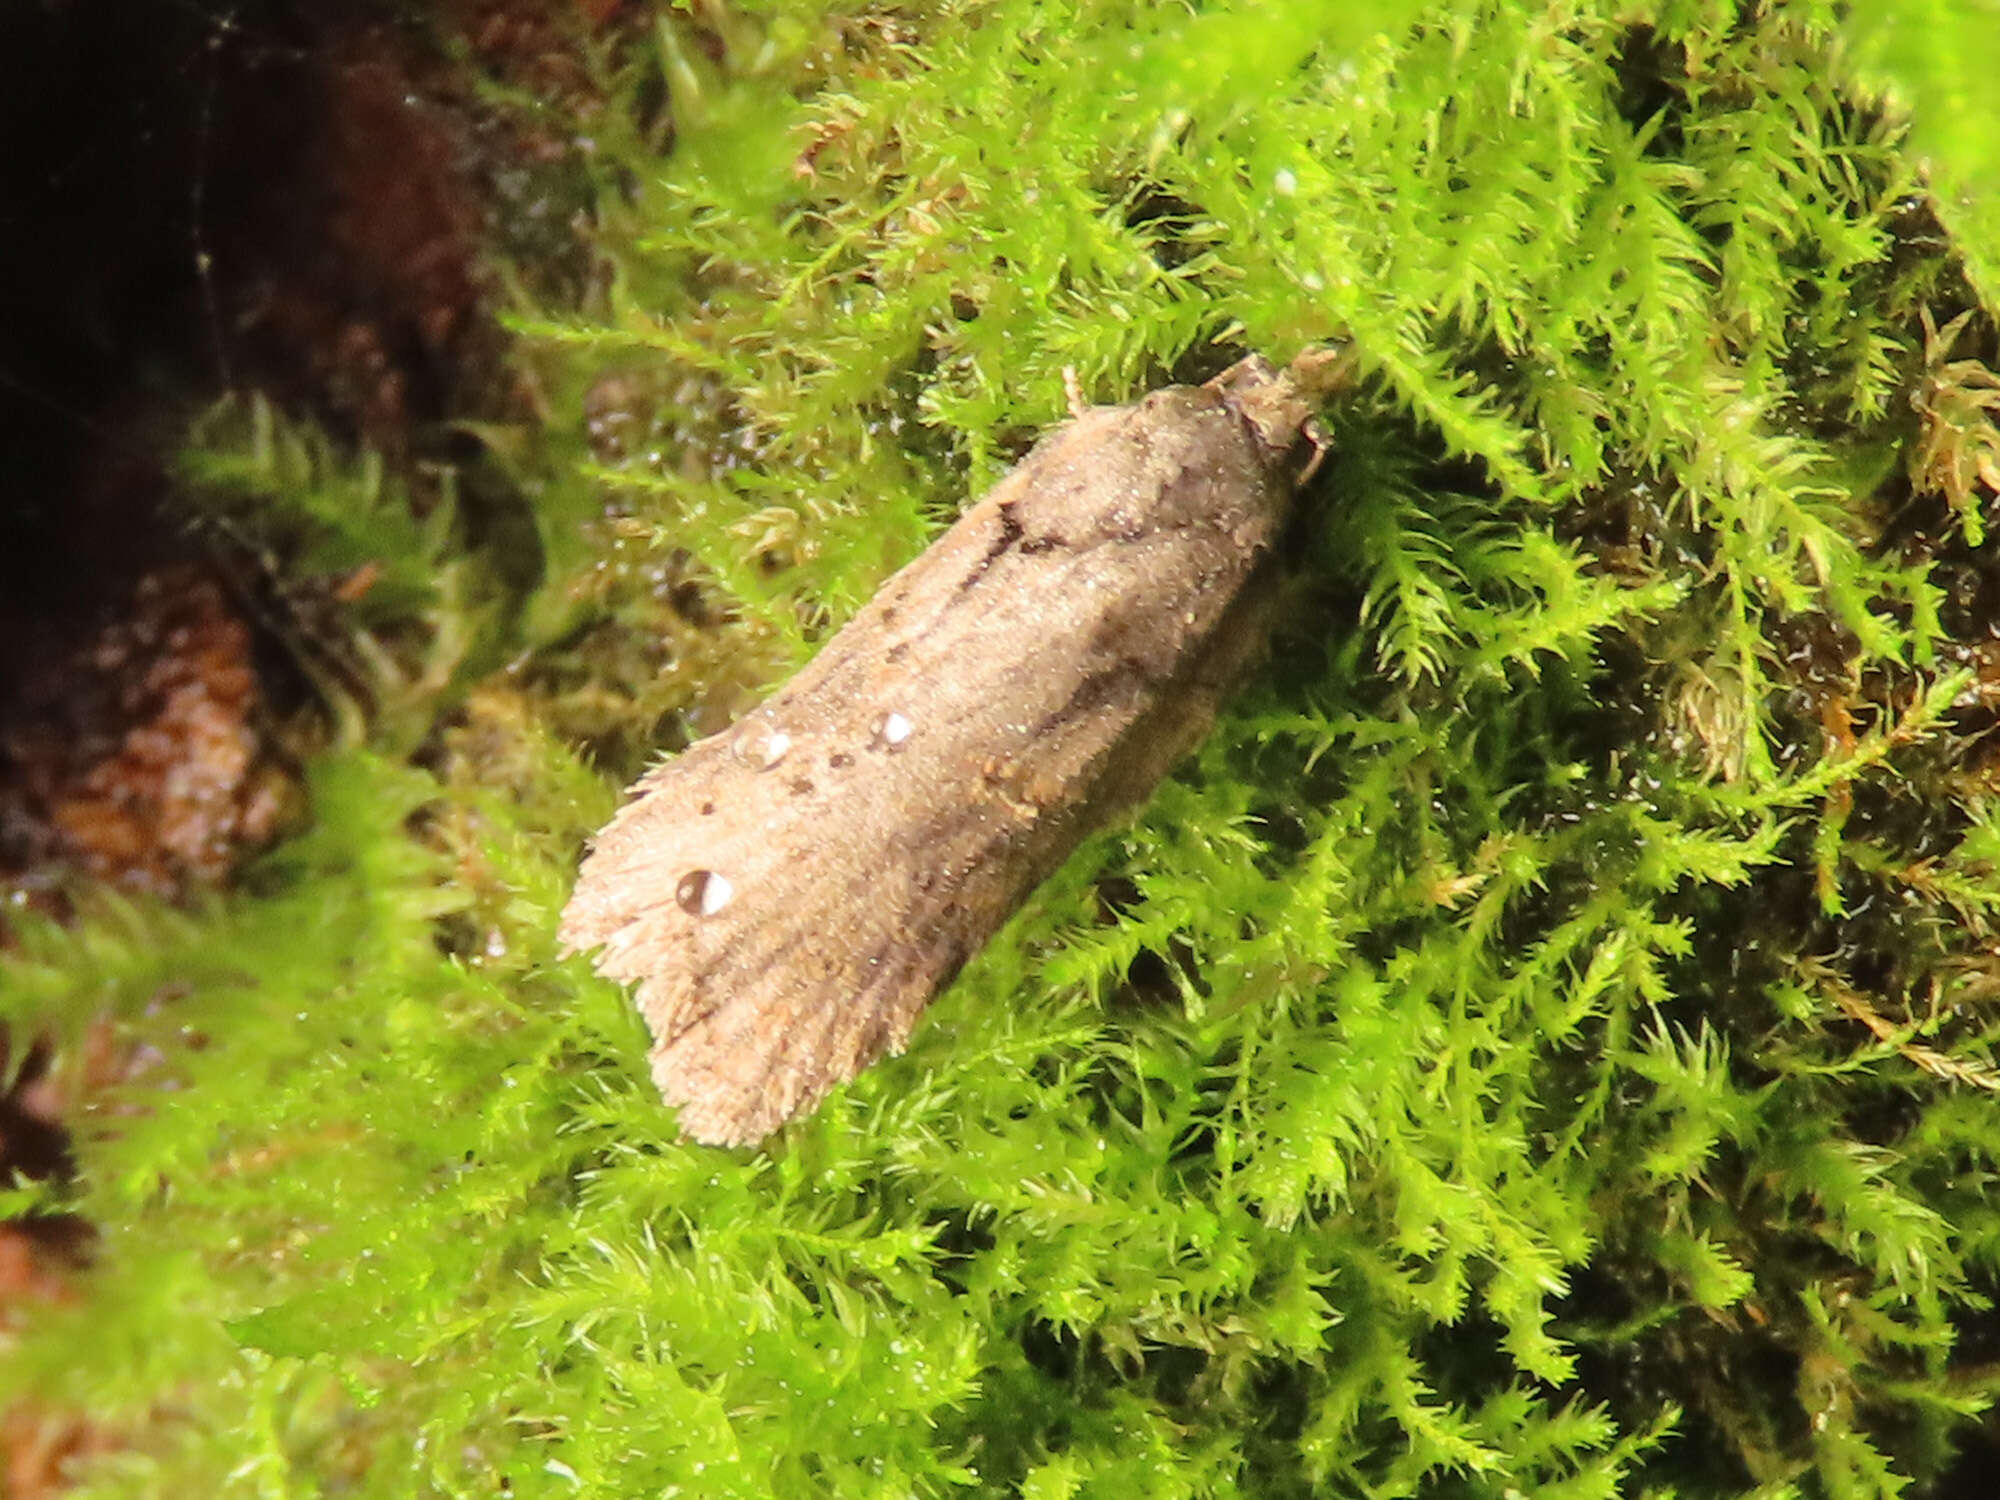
(1541, 1045)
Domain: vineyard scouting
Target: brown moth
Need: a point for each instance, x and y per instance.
(791, 893)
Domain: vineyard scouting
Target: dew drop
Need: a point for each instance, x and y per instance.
(763, 748)
(891, 730)
(703, 892)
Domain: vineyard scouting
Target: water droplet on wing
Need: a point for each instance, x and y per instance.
(703, 893)
(762, 747)
(891, 730)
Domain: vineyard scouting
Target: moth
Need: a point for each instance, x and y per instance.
(790, 894)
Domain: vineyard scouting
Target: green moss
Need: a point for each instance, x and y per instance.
(1541, 1044)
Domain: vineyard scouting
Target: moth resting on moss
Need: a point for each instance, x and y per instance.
(789, 894)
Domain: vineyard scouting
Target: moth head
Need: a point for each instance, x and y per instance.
(1279, 406)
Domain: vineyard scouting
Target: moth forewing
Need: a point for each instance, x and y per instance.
(790, 894)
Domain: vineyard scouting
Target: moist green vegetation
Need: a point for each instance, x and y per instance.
(1541, 1046)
